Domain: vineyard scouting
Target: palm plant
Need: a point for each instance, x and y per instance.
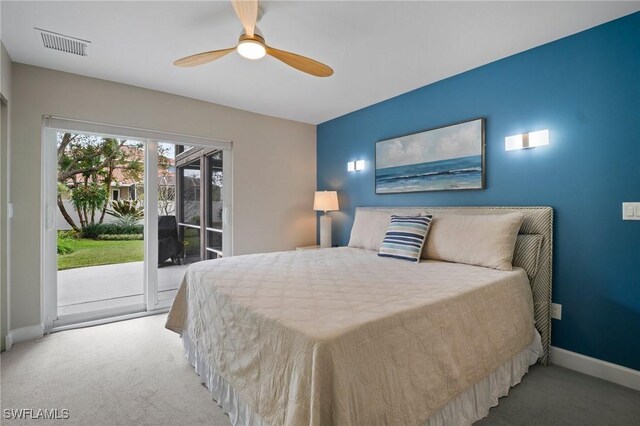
(126, 208)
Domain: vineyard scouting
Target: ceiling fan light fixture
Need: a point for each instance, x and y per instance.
(251, 49)
(251, 45)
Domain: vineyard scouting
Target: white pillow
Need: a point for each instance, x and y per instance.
(370, 226)
(484, 240)
(369, 229)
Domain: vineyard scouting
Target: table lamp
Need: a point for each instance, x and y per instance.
(325, 201)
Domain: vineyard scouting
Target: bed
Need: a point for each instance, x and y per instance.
(342, 336)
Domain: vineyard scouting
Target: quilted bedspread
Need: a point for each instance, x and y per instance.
(342, 336)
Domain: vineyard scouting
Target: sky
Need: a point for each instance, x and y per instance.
(460, 140)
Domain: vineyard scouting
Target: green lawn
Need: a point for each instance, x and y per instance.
(89, 252)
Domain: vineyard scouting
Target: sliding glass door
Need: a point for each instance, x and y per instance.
(191, 190)
(119, 236)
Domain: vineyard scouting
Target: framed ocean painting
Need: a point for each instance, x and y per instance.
(442, 159)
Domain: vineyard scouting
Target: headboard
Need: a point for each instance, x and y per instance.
(537, 220)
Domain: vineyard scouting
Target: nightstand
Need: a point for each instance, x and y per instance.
(308, 248)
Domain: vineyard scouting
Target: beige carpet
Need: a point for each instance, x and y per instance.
(134, 373)
(125, 373)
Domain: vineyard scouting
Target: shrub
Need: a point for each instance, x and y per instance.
(64, 245)
(96, 229)
(71, 234)
(120, 237)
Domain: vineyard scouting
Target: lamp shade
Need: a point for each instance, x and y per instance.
(325, 201)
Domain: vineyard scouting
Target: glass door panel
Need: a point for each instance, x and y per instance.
(190, 211)
(171, 265)
(99, 224)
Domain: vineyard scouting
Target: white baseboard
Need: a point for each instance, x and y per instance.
(23, 334)
(595, 367)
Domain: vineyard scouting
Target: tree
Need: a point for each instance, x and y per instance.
(87, 199)
(86, 166)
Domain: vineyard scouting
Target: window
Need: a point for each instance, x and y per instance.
(115, 194)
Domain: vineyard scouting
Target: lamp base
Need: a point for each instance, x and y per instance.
(325, 231)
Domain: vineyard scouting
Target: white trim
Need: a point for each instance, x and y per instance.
(595, 367)
(24, 334)
(5, 163)
(48, 229)
(96, 315)
(227, 200)
(105, 129)
(151, 224)
(32, 332)
(109, 320)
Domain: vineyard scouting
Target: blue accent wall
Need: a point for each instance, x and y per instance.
(586, 90)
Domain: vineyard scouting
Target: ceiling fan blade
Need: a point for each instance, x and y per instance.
(247, 11)
(301, 63)
(202, 58)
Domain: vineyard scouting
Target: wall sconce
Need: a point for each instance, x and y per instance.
(526, 140)
(355, 166)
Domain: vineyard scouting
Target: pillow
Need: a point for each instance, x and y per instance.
(482, 240)
(370, 227)
(527, 253)
(405, 237)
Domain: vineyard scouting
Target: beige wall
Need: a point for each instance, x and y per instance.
(274, 164)
(5, 91)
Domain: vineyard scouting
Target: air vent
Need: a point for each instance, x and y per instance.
(63, 43)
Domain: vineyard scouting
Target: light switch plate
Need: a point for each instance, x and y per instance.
(631, 211)
(556, 311)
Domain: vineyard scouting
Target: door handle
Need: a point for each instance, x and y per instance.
(226, 215)
(51, 214)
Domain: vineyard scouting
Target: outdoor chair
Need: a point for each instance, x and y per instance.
(169, 246)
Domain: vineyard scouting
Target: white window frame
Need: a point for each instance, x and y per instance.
(51, 126)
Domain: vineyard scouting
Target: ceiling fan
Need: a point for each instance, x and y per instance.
(251, 45)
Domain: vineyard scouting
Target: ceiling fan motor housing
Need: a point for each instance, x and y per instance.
(252, 47)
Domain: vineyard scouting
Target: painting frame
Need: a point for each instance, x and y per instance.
(446, 180)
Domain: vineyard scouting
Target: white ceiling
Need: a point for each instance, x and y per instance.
(377, 49)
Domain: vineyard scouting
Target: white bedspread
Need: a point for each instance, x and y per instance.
(341, 336)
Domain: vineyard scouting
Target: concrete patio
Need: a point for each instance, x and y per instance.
(112, 286)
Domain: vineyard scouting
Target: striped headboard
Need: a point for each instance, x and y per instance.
(537, 220)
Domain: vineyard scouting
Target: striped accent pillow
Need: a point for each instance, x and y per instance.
(405, 237)
(527, 253)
